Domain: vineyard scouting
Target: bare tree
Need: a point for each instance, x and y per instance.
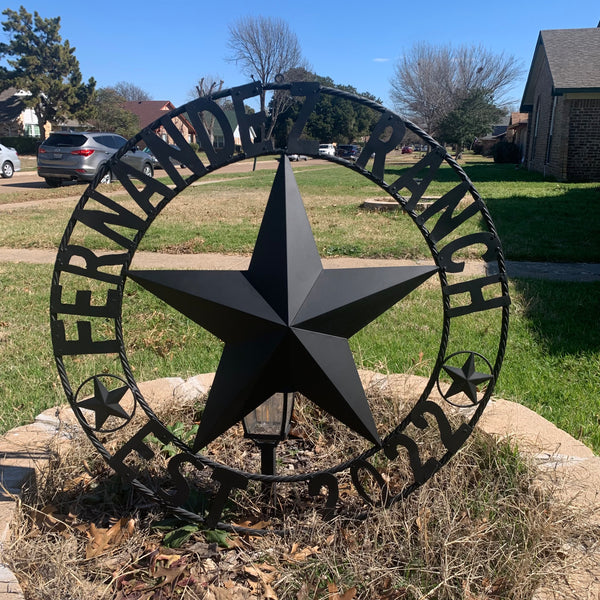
(480, 69)
(264, 47)
(431, 80)
(131, 92)
(207, 86)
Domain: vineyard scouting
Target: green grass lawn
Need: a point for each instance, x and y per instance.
(537, 219)
(552, 362)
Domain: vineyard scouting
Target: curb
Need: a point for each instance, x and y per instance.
(26, 450)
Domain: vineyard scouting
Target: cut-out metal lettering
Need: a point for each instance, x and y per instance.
(447, 222)
(356, 469)
(475, 287)
(84, 344)
(329, 481)
(83, 304)
(251, 122)
(215, 156)
(228, 481)
(421, 471)
(309, 89)
(182, 154)
(380, 147)
(88, 289)
(100, 220)
(452, 440)
(93, 263)
(180, 495)
(446, 255)
(417, 179)
(136, 444)
(141, 195)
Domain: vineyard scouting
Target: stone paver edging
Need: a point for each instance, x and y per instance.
(25, 450)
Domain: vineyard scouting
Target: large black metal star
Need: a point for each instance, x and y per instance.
(286, 320)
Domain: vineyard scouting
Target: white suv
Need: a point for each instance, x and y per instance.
(327, 149)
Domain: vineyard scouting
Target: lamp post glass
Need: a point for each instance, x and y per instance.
(270, 421)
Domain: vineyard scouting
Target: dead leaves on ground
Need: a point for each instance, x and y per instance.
(102, 540)
(204, 567)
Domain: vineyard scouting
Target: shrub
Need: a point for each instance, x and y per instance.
(506, 152)
(23, 145)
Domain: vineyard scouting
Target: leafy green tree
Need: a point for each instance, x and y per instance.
(473, 116)
(40, 63)
(108, 114)
(334, 119)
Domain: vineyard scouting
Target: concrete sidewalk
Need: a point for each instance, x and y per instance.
(153, 260)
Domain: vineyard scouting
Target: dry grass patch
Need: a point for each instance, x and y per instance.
(486, 526)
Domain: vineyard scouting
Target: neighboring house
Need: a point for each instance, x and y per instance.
(148, 111)
(562, 97)
(15, 118)
(219, 140)
(516, 132)
(486, 143)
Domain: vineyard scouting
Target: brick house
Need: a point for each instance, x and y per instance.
(517, 131)
(562, 97)
(148, 111)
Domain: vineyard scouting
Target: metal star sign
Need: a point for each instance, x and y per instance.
(466, 379)
(286, 320)
(105, 403)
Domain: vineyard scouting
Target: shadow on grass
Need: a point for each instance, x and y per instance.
(478, 172)
(562, 228)
(563, 315)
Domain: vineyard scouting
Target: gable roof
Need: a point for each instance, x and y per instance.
(11, 105)
(148, 110)
(573, 56)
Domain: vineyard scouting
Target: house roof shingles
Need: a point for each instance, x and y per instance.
(574, 57)
(148, 110)
(11, 106)
(574, 60)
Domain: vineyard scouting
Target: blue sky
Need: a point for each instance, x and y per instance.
(166, 47)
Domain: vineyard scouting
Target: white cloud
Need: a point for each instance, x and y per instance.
(381, 59)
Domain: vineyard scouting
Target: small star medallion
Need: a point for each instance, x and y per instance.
(465, 379)
(105, 403)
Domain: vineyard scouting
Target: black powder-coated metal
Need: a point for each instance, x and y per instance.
(286, 320)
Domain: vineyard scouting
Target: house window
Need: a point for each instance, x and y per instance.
(32, 130)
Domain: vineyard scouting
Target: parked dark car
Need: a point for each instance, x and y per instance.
(407, 150)
(348, 151)
(78, 156)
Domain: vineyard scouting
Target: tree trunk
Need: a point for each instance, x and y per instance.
(41, 118)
